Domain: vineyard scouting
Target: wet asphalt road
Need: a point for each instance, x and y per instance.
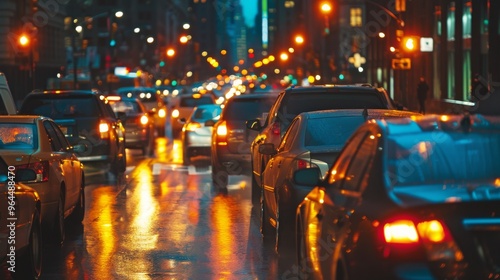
(162, 220)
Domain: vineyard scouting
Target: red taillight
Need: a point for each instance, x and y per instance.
(41, 169)
(275, 129)
(432, 234)
(221, 133)
(301, 164)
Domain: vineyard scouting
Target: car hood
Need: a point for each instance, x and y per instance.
(409, 196)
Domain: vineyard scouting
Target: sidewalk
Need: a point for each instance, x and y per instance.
(489, 105)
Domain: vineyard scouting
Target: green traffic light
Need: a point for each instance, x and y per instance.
(341, 76)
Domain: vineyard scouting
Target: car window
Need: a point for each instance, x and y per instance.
(290, 134)
(436, 157)
(274, 109)
(247, 109)
(60, 136)
(126, 106)
(356, 171)
(332, 131)
(18, 136)
(298, 103)
(55, 142)
(338, 171)
(207, 113)
(61, 106)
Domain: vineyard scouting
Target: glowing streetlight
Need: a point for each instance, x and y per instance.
(150, 40)
(24, 40)
(119, 14)
(170, 52)
(299, 39)
(137, 30)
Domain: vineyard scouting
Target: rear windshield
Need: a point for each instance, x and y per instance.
(331, 131)
(247, 109)
(299, 103)
(61, 106)
(436, 157)
(193, 102)
(127, 107)
(207, 113)
(18, 136)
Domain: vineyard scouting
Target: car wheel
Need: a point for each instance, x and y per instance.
(255, 191)
(30, 263)
(220, 179)
(79, 212)
(301, 254)
(265, 227)
(59, 231)
(284, 231)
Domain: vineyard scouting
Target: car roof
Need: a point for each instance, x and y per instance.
(444, 123)
(333, 88)
(65, 92)
(255, 96)
(22, 118)
(369, 113)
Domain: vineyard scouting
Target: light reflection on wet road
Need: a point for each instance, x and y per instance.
(163, 221)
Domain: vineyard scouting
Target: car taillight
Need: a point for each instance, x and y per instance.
(41, 169)
(301, 164)
(432, 234)
(144, 120)
(192, 126)
(162, 113)
(275, 129)
(221, 134)
(175, 113)
(104, 129)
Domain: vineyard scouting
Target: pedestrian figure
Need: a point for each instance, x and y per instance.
(422, 90)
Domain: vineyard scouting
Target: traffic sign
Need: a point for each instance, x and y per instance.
(401, 63)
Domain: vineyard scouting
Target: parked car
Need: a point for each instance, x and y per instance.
(406, 197)
(196, 133)
(182, 106)
(85, 117)
(313, 139)
(44, 160)
(26, 207)
(138, 124)
(295, 100)
(153, 100)
(231, 139)
(7, 104)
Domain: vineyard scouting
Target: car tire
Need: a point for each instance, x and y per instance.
(30, 263)
(255, 191)
(302, 263)
(265, 227)
(79, 212)
(284, 232)
(59, 230)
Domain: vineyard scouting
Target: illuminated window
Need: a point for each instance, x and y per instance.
(356, 17)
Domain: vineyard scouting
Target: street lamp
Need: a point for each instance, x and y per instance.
(326, 9)
(26, 47)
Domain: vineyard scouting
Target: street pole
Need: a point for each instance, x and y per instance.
(73, 46)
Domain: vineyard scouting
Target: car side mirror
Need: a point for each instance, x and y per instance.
(210, 123)
(182, 120)
(309, 177)
(267, 149)
(254, 125)
(78, 148)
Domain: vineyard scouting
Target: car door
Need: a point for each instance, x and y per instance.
(272, 173)
(344, 189)
(61, 162)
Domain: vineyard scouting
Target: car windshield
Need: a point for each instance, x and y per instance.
(247, 109)
(127, 107)
(206, 113)
(299, 103)
(61, 106)
(332, 131)
(18, 136)
(193, 102)
(437, 157)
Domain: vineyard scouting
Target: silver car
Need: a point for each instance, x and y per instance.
(197, 131)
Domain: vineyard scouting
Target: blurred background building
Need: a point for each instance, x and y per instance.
(390, 43)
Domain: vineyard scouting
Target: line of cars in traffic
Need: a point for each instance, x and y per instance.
(354, 187)
(46, 148)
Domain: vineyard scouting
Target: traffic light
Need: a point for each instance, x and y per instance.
(23, 45)
(410, 43)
